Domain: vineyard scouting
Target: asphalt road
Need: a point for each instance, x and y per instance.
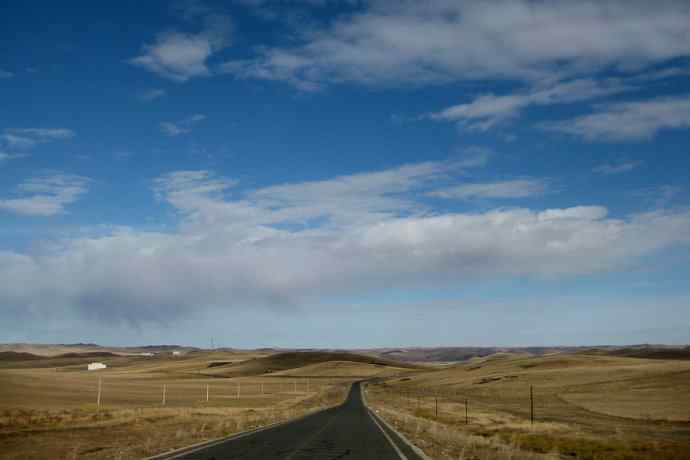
(345, 432)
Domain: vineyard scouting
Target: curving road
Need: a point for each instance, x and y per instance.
(347, 432)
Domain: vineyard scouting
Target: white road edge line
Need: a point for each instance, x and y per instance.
(397, 449)
(402, 437)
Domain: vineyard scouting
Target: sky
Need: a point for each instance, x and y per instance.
(345, 174)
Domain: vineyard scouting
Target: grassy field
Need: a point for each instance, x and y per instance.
(48, 407)
(597, 407)
(587, 406)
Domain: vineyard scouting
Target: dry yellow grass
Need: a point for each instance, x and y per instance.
(137, 433)
(51, 411)
(585, 406)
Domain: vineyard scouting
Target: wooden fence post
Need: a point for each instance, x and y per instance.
(531, 405)
(98, 399)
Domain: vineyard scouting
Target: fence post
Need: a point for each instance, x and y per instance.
(531, 405)
(164, 388)
(238, 390)
(98, 400)
(467, 417)
(436, 406)
(207, 392)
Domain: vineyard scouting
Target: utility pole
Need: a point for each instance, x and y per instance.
(98, 399)
(164, 388)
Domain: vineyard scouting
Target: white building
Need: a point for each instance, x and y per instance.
(96, 366)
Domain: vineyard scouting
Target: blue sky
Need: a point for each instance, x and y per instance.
(345, 174)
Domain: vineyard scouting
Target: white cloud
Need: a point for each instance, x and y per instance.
(629, 121)
(442, 41)
(488, 110)
(26, 138)
(516, 188)
(153, 94)
(46, 195)
(586, 213)
(188, 191)
(243, 249)
(6, 74)
(183, 126)
(180, 56)
(617, 168)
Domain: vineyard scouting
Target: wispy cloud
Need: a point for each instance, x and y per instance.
(152, 94)
(489, 110)
(180, 56)
(26, 138)
(46, 195)
(183, 126)
(629, 121)
(336, 202)
(509, 189)
(6, 74)
(617, 168)
(438, 42)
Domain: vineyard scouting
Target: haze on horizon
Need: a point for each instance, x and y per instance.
(345, 174)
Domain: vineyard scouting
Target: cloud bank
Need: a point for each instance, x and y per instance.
(281, 246)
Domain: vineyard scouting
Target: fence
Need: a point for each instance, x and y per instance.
(119, 391)
(418, 398)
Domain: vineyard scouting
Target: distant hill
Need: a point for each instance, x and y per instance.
(644, 351)
(292, 360)
(89, 354)
(17, 356)
(456, 354)
(65, 350)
